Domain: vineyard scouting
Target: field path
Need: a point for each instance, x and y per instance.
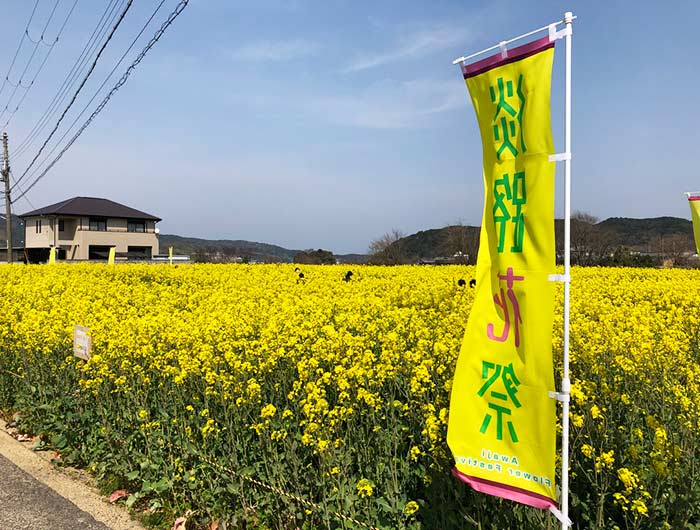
(35, 495)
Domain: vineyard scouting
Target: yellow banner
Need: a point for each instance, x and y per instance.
(694, 201)
(502, 423)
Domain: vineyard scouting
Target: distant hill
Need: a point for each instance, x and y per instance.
(642, 232)
(641, 235)
(232, 247)
(248, 250)
(428, 244)
(17, 231)
(617, 232)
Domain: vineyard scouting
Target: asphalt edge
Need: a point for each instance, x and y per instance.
(80, 494)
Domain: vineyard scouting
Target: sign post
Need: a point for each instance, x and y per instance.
(82, 342)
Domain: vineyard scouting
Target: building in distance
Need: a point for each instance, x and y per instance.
(86, 228)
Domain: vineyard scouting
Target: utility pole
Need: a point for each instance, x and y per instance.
(8, 202)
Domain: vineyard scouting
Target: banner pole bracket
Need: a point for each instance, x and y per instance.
(560, 396)
(565, 393)
(565, 521)
(560, 157)
(555, 35)
(563, 278)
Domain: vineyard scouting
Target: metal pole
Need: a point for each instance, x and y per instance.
(565, 381)
(8, 202)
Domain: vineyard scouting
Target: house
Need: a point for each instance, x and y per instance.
(85, 228)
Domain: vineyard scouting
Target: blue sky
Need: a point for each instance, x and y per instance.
(326, 124)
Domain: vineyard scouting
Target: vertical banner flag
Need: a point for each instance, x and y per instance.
(502, 422)
(52, 255)
(112, 254)
(694, 201)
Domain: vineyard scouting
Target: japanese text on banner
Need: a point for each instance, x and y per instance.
(502, 429)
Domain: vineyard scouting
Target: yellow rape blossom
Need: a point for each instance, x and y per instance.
(639, 506)
(365, 488)
(268, 411)
(349, 375)
(587, 450)
(628, 478)
(605, 460)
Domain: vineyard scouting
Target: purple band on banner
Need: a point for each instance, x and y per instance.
(505, 491)
(694, 198)
(516, 54)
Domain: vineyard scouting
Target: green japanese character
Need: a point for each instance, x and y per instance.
(510, 383)
(508, 202)
(507, 120)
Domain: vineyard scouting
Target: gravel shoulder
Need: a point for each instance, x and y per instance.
(36, 495)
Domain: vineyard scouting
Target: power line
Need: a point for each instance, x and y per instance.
(15, 85)
(70, 79)
(31, 58)
(19, 47)
(20, 189)
(109, 76)
(41, 66)
(178, 9)
(82, 84)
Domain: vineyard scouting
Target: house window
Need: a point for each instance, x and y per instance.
(136, 226)
(61, 225)
(37, 226)
(98, 224)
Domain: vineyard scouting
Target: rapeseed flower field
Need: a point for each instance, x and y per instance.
(244, 394)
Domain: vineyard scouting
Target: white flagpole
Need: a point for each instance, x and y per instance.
(565, 381)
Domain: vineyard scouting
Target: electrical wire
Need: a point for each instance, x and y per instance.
(19, 47)
(82, 84)
(29, 62)
(109, 76)
(41, 66)
(15, 85)
(171, 18)
(71, 78)
(23, 196)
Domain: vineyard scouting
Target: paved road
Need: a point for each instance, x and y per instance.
(27, 504)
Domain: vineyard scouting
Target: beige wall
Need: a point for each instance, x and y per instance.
(77, 237)
(70, 227)
(32, 239)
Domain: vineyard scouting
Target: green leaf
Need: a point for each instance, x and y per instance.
(162, 485)
(59, 441)
(131, 500)
(384, 505)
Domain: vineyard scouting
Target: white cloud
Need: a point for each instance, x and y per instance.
(410, 46)
(275, 50)
(392, 105)
(386, 104)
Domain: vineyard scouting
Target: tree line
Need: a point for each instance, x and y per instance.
(592, 244)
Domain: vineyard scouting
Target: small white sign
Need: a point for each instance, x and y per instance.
(82, 343)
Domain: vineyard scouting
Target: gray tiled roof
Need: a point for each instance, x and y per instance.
(91, 206)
